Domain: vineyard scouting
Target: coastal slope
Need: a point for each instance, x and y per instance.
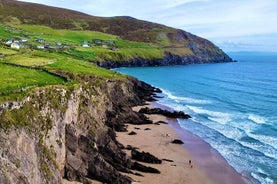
(176, 46)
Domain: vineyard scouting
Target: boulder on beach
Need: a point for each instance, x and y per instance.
(177, 141)
(174, 114)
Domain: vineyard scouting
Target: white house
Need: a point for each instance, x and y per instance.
(15, 45)
(40, 47)
(85, 44)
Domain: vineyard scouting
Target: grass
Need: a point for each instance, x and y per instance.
(18, 77)
(83, 68)
(7, 32)
(76, 37)
(29, 60)
(71, 62)
(16, 81)
(8, 51)
(121, 55)
(63, 35)
(126, 43)
(180, 51)
(4, 32)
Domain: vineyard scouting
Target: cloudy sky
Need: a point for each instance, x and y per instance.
(233, 25)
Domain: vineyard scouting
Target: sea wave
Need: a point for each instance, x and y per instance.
(227, 125)
(219, 117)
(257, 119)
(268, 140)
(185, 99)
(260, 177)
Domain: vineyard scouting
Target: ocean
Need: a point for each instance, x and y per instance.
(233, 107)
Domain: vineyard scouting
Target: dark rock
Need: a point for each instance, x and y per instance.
(132, 133)
(129, 147)
(174, 114)
(162, 122)
(99, 169)
(156, 96)
(145, 157)
(151, 99)
(157, 90)
(71, 138)
(139, 167)
(118, 121)
(147, 129)
(168, 160)
(201, 56)
(177, 141)
(137, 128)
(138, 174)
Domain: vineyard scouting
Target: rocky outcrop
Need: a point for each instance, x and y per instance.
(67, 134)
(139, 167)
(170, 59)
(145, 157)
(174, 114)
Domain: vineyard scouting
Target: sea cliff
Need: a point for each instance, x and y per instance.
(59, 134)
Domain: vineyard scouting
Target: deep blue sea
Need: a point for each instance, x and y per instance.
(233, 105)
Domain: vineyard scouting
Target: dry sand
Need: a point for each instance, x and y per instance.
(157, 142)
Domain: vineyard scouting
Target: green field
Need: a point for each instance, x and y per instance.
(120, 55)
(15, 79)
(84, 68)
(8, 51)
(27, 68)
(76, 37)
(29, 60)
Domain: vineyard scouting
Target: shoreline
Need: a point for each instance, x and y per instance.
(206, 157)
(208, 166)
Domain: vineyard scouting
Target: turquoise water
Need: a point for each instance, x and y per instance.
(233, 105)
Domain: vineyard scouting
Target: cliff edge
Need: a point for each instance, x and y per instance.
(58, 134)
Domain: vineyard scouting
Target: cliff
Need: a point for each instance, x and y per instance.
(58, 134)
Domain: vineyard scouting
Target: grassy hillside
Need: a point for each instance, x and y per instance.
(26, 68)
(58, 44)
(28, 13)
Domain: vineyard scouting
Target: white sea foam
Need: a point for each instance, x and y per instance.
(257, 119)
(185, 99)
(219, 117)
(267, 140)
(262, 180)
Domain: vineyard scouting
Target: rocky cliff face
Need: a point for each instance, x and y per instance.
(63, 134)
(169, 60)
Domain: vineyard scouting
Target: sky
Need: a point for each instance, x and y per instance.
(233, 25)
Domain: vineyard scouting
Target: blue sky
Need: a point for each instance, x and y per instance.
(233, 25)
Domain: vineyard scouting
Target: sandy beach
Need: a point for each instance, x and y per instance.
(206, 166)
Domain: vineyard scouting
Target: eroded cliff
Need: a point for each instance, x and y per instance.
(60, 133)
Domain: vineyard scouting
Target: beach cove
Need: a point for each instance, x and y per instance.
(193, 162)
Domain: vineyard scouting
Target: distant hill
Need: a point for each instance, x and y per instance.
(180, 47)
